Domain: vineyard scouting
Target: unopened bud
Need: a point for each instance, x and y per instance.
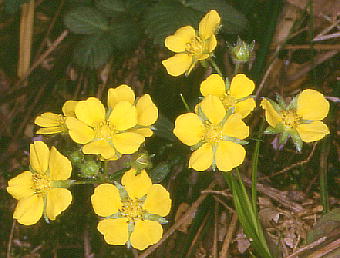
(89, 169)
(242, 52)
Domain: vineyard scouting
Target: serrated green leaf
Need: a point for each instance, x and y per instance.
(12, 6)
(111, 8)
(232, 20)
(93, 51)
(85, 20)
(124, 34)
(165, 17)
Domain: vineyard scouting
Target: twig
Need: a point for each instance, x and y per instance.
(9, 244)
(174, 227)
(300, 163)
(229, 235)
(315, 46)
(41, 58)
(310, 246)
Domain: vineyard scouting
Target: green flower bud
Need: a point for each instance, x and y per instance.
(141, 161)
(242, 52)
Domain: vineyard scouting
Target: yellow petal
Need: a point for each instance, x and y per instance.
(123, 116)
(69, 108)
(211, 44)
(157, 201)
(146, 233)
(146, 132)
(245, 107)
(314, 131)
(106, 200)
(49, 120)
(137, 185)
(90, 111)
(58, 199)
(241, 86)
(51, 130)
(121, 93)
(21, 186)
(147, 112)
(127, 143)
(202, 158)
(115, 231)
(213, 85)
(60, 167)
(178, 64)
(312, 105)
(213, 108)
(273, 118)
(101, 147)
(229, 155)
(39, 156)
(29, 210)
(189, 129)
(235, 127)
(79, 131)
(209, 24)
(178, 41)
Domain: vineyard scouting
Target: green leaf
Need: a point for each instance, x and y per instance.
(159, 173)
(12, 6)
(111, 8)
(232, 20)
(93, 51)
(85, 20)
(165, 17)
(124, 34)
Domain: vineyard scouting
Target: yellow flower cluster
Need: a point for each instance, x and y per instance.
(191, 46)
(119, 129)
(300, 119)
(133, 212)
(216, 130)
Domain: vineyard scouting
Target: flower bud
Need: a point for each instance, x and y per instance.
(141, 161)
(241, 53)
(89, 169)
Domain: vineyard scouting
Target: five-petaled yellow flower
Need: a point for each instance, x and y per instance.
(120, 129)
(39, 191)
(52, 123)
(216, 133)
(133, 213)
(237, 96)
(191, 46)
(301, 119)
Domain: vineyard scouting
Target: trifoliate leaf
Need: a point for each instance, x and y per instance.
(85, 20)
(93, 51)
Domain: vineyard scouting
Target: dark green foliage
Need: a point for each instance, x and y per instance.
(86, 20)
(93, 51)
(12, 6)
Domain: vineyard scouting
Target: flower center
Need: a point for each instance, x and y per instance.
(228, 101)
(132, 209)
(104, 131)
(213, 133)
(290, 118)
(195, 46)
(41, 183)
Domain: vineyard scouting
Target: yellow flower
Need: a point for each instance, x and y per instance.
(133, 213)
(191, 46)
(39, 191)
(55, 123)
(119, 130)
(216, 135)
(237, 96)
(301, 119)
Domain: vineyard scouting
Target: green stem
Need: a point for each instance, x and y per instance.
(185, 103)
(214, 65)
(255, 160)
(323, 175)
